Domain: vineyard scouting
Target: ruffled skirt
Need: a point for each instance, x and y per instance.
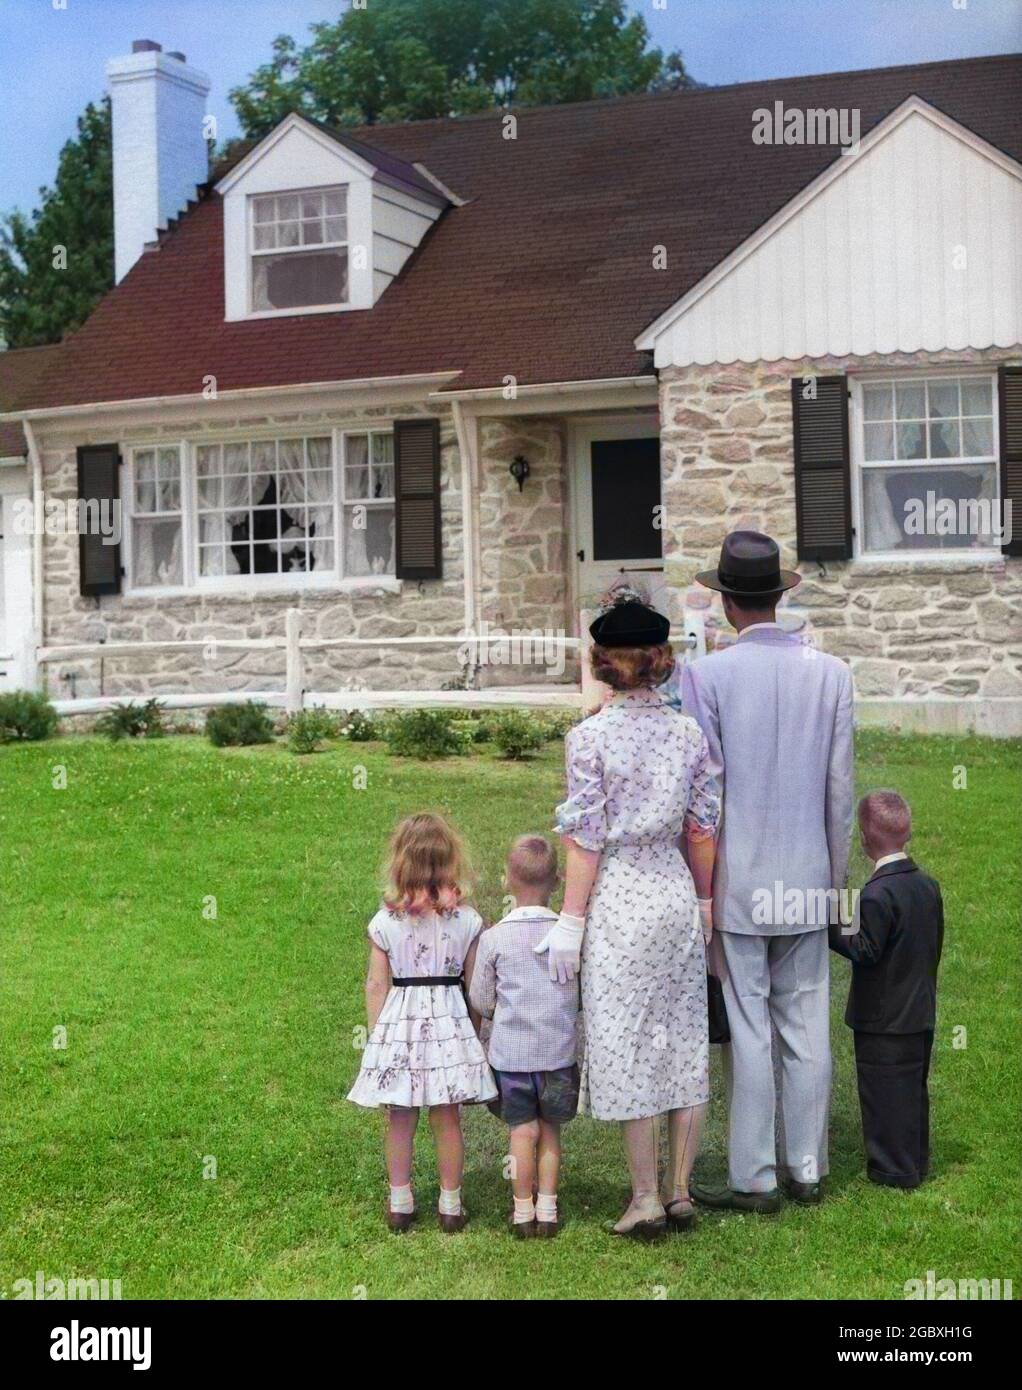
(423, 1051)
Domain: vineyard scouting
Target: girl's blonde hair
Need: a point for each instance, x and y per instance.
(428, 868)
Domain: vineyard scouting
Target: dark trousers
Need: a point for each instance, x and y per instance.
(892, 1070)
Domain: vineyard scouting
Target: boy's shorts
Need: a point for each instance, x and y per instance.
(529, 1095)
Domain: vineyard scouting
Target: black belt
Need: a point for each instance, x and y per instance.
(408, 981)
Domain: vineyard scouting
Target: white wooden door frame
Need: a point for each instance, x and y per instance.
(581, 434)
(16, 631)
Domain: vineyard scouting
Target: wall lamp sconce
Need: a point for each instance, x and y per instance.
(519, 470)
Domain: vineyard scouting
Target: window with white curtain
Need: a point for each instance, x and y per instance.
(368, 504)
(299, 249)
(265, 507)
(927, 450)
(156, 519)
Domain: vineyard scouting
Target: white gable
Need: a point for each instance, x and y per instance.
(913, 242)
(385, 222)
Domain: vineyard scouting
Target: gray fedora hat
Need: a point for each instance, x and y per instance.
(750, 564)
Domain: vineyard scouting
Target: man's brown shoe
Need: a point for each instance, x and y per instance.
(762, 1203)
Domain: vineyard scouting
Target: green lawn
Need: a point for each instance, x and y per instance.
(233, 1038)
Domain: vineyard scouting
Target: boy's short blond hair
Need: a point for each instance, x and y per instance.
(532, 863)
(887, 815)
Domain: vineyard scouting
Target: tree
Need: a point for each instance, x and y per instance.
(394, 60)
(56, 264)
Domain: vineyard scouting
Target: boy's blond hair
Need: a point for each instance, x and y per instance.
(532, 863)
(886, 816)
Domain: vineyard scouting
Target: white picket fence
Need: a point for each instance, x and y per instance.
(690, 640)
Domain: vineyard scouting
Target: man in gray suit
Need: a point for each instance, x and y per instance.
(777, 714)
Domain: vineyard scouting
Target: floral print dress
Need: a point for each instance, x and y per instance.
(424, 1050)
(638, 779)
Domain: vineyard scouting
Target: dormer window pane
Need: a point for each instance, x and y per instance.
(284, 274)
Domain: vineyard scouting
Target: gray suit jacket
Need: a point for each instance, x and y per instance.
(778, 718)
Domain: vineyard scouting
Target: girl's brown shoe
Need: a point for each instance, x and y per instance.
(450, 1225)
(400, 1221)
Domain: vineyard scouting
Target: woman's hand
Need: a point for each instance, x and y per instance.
(563, 942)
(706, 918)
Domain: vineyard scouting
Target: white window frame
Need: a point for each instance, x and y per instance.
(859, 464)
(129, 516)
(295, 581)
(252, 253)
(370, 503)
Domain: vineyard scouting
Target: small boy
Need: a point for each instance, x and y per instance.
(532, 1047)
(893, 999)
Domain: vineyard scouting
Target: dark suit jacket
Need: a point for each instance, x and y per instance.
(895, 952)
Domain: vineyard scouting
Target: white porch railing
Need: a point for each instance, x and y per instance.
(691, 639)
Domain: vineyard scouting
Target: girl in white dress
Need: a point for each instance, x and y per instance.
(423, 1048)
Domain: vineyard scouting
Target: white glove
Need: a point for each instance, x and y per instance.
(706, 918)
(564, 943)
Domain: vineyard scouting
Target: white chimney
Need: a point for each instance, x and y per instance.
(158, 104)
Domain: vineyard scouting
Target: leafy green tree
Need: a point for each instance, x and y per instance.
(57, 263)
(397, 60)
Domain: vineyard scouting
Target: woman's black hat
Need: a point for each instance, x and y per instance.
(630, 624)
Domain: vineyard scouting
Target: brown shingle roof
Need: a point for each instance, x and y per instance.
(546, 274)
(22, 370)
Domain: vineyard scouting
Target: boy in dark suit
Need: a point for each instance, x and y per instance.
(893, 999)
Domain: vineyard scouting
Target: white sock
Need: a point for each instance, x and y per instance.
(401, 1199)
(450, 1202)
(525, 1211)
(546, 1206)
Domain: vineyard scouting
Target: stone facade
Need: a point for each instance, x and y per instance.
(909, 629)
(524, 567)
(524, 584)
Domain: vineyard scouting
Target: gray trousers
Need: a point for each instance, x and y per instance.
(777, 993)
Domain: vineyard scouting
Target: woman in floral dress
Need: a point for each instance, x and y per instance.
(639, 784)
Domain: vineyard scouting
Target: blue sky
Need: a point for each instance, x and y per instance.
(52, 59)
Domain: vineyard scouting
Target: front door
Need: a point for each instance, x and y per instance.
(618, 512)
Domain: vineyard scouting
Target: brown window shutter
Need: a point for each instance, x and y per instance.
(99, 564)
(823, 492)
(1009, 391)
(417, 498)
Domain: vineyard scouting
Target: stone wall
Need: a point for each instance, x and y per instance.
(523, 535)
(908, 628)
(525, 538)
(433, 607)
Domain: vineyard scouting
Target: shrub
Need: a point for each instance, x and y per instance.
(233, 725)
(307, 729)
(516, 733)
(425, 733)
(26, 715)
(558, 723)
(133, 721)
(358, 726)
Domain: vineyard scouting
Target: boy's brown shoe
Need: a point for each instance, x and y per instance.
(450, 1225)
(400, 1221)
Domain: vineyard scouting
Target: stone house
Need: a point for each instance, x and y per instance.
(457, 376)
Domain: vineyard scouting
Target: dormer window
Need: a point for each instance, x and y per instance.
(299, 250)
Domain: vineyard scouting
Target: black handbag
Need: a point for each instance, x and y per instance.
(720, 1032)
